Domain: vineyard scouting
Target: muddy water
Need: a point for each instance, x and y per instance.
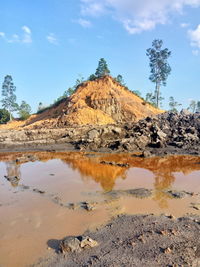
(34, 207)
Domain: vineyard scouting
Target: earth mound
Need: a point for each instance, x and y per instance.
(100, 102)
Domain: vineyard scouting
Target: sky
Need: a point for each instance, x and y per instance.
(46, 44)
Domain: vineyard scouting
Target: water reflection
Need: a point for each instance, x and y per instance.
(13, 173)
(90, 167)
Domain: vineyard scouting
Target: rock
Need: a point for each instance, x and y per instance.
(70, 244)
(177, 194)
(185, 112)
(88, 206)
(76, 244)
(139, 192)
(38, 191)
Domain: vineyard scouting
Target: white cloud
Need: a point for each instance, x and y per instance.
(27, 35)
(137, 16)
(194, 36)
(184, 25)
(52, 38)
(15, 38)
(84, 23)
(2, 34)
(195, 52)
(92, 7)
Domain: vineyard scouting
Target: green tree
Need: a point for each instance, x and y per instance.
(79, 81)
(150, 97)
(198, 106)
(160, 69)
(102, 68)
(70, 91)
(92, 77)
(8, 94)
(40, 106)
(4, 116)
(192, 106)
(24, 111)
(120, 80)
(173, 104)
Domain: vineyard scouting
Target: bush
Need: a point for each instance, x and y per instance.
(4, 116)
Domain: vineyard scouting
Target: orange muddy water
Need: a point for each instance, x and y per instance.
(39, 186)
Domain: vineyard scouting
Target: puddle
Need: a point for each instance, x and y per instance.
(38, 188)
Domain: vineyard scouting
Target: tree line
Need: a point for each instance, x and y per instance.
(159, 72)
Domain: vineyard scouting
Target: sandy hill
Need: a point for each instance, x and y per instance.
(103, 101)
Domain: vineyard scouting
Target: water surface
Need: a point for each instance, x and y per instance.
(29, 218)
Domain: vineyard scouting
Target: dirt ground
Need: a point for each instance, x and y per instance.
(137, 240)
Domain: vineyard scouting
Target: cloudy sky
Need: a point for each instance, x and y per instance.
(46, 44)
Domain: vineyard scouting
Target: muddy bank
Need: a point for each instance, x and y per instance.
(167, 133)
(136, 240)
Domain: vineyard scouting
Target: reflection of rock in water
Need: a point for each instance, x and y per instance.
(13, 173)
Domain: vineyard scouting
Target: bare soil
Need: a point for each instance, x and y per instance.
(137, 240)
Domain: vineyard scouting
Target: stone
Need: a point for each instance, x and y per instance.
(76, 244)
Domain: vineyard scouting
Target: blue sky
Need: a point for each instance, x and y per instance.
(46, 44)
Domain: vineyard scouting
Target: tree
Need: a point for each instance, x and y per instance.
(193, 105)
(120, 80)
(159, 66)
(102, 68)
(198, 106)
(9, 97)
(173, 104)
(24, 111)
(4, 116)
(92, 77)
(40, 106)
(150, 97)
(79, 81)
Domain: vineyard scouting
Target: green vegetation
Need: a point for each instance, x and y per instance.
(24, 111)
(8, 94)
(159, 66)
(120, 80)
(102, 68)
(173, 104)
(4, 116)
(194, 106)
(159, 72)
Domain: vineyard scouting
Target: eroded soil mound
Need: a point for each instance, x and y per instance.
(100, 102)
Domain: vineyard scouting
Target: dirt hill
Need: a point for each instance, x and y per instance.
(103, 101)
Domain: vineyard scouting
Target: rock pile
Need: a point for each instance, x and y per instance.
(170, 129)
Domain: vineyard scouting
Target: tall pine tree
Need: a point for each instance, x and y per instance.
(102, 69)
(160, 69)
(8, 94)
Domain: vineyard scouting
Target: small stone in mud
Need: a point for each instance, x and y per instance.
(38, 191)
(72, 206)
(139, 192)
(195, 206)
(52, 174)
(76, 244)
(25, 187)
(88, 206)
(177, 194)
